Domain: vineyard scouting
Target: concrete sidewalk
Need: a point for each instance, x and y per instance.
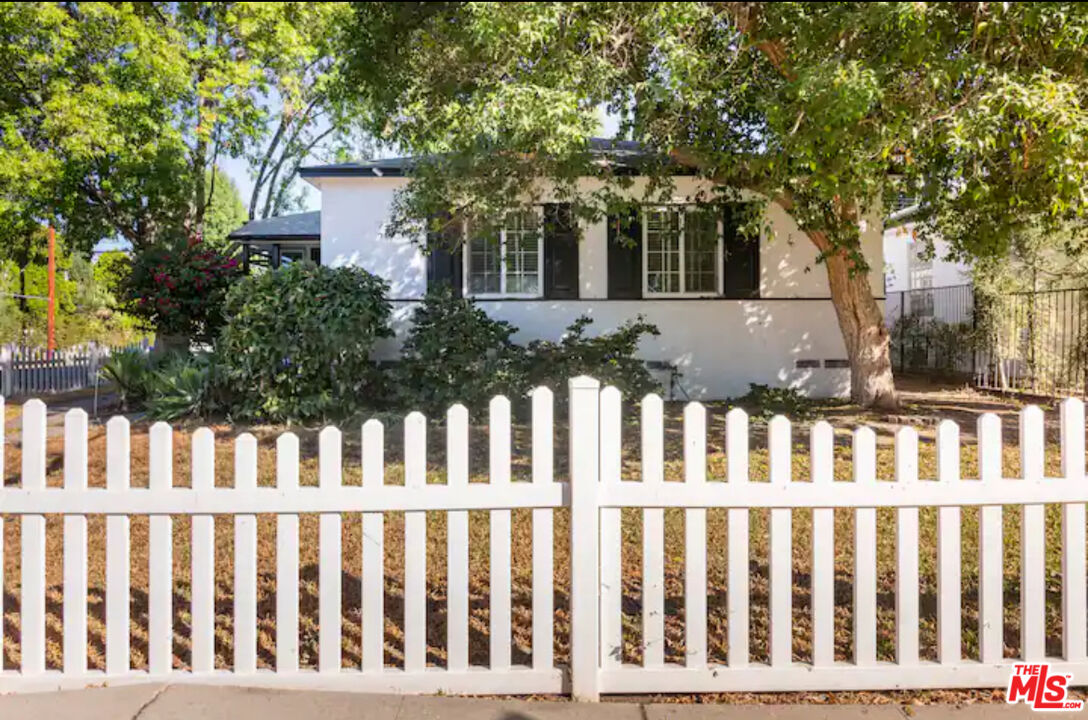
(187, 702)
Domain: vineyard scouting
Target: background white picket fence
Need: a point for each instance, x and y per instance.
(26, 371)
(595, 493)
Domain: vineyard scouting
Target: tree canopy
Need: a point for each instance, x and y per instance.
(225, 212)
(112, 114)
(829, 109)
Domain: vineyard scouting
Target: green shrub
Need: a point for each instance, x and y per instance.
(930, 344)
(455, 353)
(180, 292)
(610, 358)
(764, 401)
(298, 341)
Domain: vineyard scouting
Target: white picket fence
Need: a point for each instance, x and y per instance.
(26, 371)
(595, 493)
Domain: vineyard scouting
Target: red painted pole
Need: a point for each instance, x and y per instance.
(52, 290)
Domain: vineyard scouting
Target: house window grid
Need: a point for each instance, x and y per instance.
(515, 261)
(679, 218)
(261, 256)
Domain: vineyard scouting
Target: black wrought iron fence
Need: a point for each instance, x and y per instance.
(1035, 342)
(1029, 342)
(931, 329)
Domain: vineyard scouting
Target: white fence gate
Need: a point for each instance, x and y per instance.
(595, 494)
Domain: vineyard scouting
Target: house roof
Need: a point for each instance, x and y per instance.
(624, 153)
(299, 226)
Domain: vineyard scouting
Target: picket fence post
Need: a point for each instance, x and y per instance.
(585, 430)
(1074, 625)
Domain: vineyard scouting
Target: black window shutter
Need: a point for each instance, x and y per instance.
(560, 252)
(444, 265)
(625, 257)
(741, 254)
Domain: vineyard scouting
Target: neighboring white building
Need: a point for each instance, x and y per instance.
(909, 272)
(731, 311)
(905, 265)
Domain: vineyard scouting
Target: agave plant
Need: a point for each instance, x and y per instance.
(185, 385)
(131, 371)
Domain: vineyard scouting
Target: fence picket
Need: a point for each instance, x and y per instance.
(330, 590)
(990, 545)
(374, 552)
(1074, 595)
(653, 535)
(287, 549)
(822, 451)
(160, 623)
(543, 535)
(1032, 541)
(736, 458)
(203, 552)
(781, 573)
(695, 539)
(906, 552)
(118, 453)
(864, 552)
(499, 614)
(245, 560)
(948, 549)
(611, 544)
(32, 605)
(415, 547)
(75, 544)
(457, 542)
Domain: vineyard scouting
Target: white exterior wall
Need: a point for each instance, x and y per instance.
(719, 345)
(900, 245)
(354, 213)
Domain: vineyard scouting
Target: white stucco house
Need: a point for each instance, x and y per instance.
(732, 310)
(907, 266)
(929, 285)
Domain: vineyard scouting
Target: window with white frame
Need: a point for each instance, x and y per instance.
(681, 251)
(507, 266)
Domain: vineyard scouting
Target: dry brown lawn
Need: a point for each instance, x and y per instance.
(963, 409)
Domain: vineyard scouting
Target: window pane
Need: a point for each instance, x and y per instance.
(663, 250)
(483, 265)
(522, 253)
(291, 255)
(259, 258)
(700, 252)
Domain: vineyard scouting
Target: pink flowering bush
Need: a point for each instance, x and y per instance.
(181, 292)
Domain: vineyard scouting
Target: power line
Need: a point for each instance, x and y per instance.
(26, 297)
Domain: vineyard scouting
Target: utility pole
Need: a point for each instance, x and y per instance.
(52, 291)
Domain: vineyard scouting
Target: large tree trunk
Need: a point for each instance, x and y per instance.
(862, 325)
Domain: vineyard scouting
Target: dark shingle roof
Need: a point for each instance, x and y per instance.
(625, 153)
(299, 226)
